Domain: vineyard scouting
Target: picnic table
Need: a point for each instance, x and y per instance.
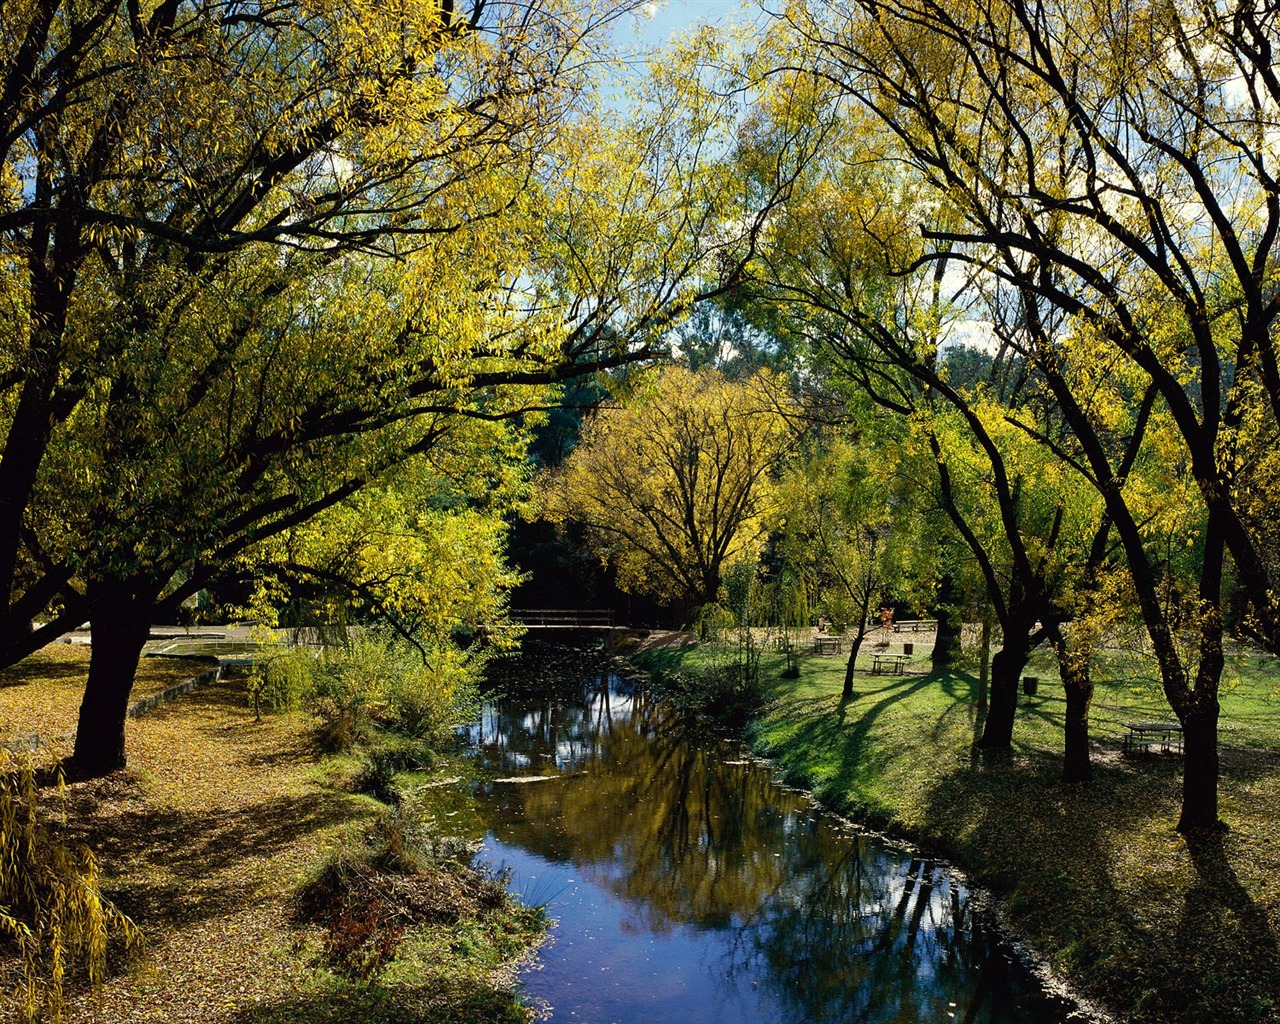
(1143, 737)
(890, 664)
(914, 625)
(826, 645)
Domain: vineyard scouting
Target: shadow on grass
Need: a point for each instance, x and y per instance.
(1220, 959)
(194, 847)
(446, 1002)
(1165, 945)
(837, 730)
(44, 670)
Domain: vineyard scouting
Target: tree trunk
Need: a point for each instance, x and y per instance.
(947, 643)
(984, 661)
(1006, 670)
(120, 624)
(1199, 714)
(847, 692)
(1200, 769)
(1078, 683)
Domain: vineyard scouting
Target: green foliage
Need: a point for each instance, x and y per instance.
(53, 916)
(279, 682)
(728, 693)
(376, 679)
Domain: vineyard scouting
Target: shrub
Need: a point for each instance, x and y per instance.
(281, 681)
(378, 679)
(369, 896)
(349, 685)
(729, 694)
(53, 916)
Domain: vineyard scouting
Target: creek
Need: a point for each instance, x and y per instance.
(688, 886)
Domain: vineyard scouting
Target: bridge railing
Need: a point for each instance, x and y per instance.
(563, 616)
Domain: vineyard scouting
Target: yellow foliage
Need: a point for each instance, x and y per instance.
(678, 483)
(52, 911)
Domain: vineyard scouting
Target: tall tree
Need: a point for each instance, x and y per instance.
(841, 527)
(391, 219)
(677, 483)
(1109, 177)
(845, 268)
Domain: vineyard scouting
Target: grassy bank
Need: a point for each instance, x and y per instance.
(1094, 876)
(208, 837)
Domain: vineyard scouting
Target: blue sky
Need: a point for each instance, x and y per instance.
(672, 16)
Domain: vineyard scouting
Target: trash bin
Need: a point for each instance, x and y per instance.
(1030, 684)
(908, 648)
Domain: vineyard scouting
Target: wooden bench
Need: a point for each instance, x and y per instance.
(826, 645)
(888, 664)
(1153, 737)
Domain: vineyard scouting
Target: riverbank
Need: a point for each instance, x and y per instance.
(1117, 904)
(205, 841)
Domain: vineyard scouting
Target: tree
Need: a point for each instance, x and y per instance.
(840, 527)
(843, 269)
(677, 483)
(1109, 180)
(391, 223)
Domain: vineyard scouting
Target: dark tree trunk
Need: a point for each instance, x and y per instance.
(1006, 670)
(1199, 713)
(947, 643)
(1200, 769)
(847, 692)
(984, 662)
(1078, 683)
(120, 623)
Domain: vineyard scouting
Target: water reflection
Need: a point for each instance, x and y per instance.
(688, 886)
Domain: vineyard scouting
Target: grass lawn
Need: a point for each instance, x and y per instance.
(1094, 875)
(204, 840)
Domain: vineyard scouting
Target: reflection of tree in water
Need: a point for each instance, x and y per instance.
(831, 926)
(866, 935)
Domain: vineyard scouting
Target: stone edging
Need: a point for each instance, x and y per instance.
(145, 704)
(33, 740)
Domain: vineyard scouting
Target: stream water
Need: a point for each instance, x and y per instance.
(688, 887)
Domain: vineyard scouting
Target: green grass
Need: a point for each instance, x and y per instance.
(442, 974)
(1120, 905)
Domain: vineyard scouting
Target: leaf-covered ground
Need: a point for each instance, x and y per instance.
(41, 695)
(1118, 903)
(205, 839)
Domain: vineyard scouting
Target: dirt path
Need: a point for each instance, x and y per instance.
(202, 839)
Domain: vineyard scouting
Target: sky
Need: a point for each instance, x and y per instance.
(660, 19)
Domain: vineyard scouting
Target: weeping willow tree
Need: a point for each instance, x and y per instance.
(53, 916)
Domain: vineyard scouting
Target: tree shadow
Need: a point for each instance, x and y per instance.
(202, 853)
(39, 670)
(1222, 951)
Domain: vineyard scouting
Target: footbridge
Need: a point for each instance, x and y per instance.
(564, 618)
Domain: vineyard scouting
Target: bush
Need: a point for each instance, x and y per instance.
(367, 898)
(281, 681)
(53, 916)
(729, 694)
(348, 687)
(375, 679)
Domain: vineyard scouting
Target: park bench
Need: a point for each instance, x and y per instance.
(889, 664)
(826, 645)
(1153, 737)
